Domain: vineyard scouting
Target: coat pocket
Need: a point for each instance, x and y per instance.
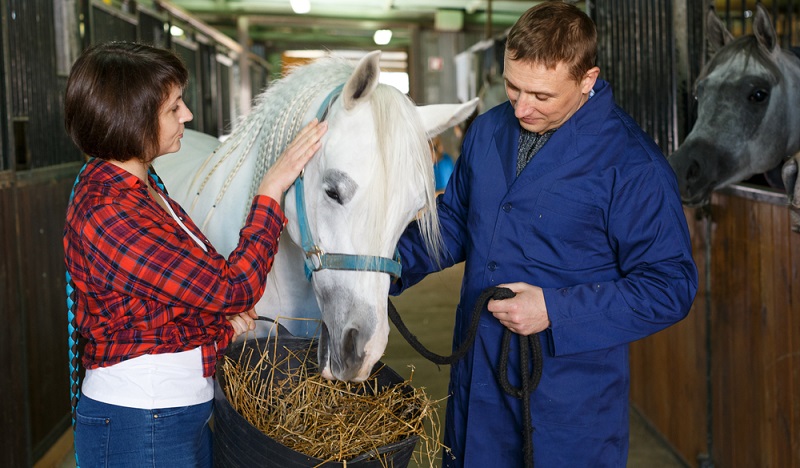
(567, 234)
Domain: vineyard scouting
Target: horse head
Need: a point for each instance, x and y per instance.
(747, 111)
(372, 177)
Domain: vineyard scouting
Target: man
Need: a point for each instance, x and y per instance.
(559, 196)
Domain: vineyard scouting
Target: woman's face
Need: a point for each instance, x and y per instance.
(171, 118)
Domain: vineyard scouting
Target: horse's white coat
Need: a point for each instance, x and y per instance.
(375, 159)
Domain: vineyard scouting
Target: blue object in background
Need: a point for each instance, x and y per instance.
(442, 169)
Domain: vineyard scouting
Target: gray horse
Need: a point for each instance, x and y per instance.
(748, 119)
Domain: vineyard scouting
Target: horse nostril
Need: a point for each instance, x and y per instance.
(693, 171)
(324, 351)
(350, 349)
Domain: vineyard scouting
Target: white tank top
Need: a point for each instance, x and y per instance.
(153, 381)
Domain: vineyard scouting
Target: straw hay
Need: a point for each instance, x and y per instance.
(330, 420)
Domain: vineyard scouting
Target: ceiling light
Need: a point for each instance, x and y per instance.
(301, 7)
(382, 36)
(175, 31)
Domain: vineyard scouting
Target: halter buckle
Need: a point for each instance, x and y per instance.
(314, 257)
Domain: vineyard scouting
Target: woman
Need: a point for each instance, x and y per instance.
(155, 301)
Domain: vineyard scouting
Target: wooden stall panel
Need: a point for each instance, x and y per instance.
(754, 335)
(752, 298)
(42, 200)
(14, 439)
(782, 362)
(734, 269)
(668, 369)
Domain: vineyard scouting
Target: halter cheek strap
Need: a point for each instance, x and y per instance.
(316, 258)
(325, 107)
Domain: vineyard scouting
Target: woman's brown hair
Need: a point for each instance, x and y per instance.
(114, 93)
(554, 32)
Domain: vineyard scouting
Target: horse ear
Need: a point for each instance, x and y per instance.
(763, 29)
(363, 81)
(718, 36)
(437, 118)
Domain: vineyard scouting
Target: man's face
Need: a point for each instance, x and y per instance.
(544, 98)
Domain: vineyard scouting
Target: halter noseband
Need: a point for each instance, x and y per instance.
(316, 258)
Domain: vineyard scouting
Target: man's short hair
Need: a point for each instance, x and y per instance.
(554, 32)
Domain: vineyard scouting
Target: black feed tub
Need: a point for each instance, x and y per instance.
(237, 443)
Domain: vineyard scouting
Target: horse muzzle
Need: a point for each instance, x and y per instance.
(347, 358)
(697, 165)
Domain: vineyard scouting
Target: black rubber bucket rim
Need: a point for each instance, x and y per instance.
(237, 443)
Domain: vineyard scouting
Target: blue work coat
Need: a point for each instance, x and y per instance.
(594, 219)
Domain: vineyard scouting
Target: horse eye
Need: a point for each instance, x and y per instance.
(759, 95)
(333, 195)
(338, 186)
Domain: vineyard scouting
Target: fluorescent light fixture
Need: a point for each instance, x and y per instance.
(175, 31)
(382, 36)
(300, 7)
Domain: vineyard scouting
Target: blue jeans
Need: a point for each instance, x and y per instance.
(109, 435)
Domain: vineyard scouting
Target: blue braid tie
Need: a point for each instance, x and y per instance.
(74, 360)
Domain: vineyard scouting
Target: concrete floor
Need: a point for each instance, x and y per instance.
(427, 309)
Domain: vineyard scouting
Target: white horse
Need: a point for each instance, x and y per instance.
(371, 178)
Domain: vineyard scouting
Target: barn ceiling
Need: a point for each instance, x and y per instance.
(351, 23)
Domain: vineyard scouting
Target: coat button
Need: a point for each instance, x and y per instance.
(507, 207)
(492, 266)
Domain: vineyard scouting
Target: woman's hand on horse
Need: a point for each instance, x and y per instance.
(244, 322)
(523, 314)
(285, 170)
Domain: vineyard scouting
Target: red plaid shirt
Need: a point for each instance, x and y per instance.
(143, 286)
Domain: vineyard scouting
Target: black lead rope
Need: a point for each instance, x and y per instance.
(529, 348)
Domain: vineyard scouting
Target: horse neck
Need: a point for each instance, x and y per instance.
(288, 293)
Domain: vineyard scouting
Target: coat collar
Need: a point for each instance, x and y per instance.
(587, 120)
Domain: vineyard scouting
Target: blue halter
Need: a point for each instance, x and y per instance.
(317, 259)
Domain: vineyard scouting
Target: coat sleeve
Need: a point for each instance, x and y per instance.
(658, 276)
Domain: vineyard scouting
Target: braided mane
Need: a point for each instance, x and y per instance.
(279, 115)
